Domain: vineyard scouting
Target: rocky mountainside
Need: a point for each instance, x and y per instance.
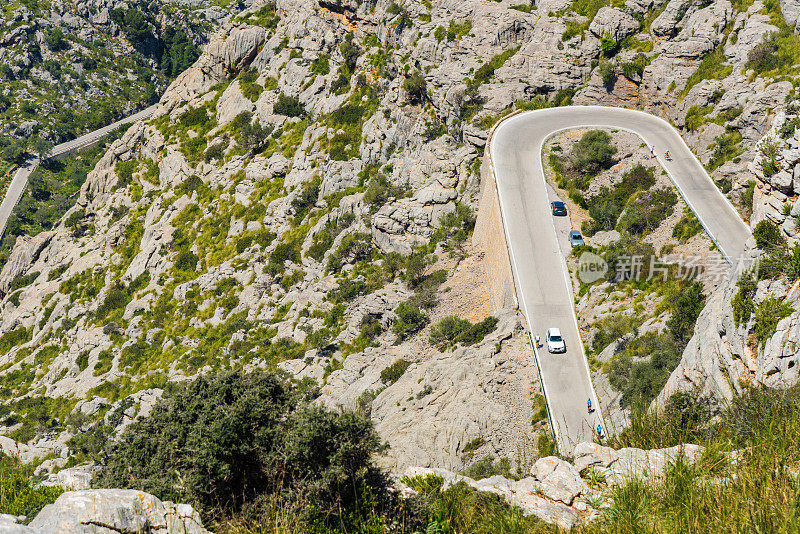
(303, 198)
(71, 67)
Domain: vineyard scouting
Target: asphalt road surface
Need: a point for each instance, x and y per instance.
(20, 180)
(540, 270)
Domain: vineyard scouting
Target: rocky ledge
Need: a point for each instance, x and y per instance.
(564, 493)
(108, 511)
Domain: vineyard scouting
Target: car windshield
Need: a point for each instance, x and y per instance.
(558, 204)
(555, 338)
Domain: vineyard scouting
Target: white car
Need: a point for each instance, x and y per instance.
(555, 343)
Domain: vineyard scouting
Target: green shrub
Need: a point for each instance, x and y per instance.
(410, 319)
(485, 72)
(350, 53)
(284, 252)
(633, 70)
(186, 261)
(392, 374)
(612, 328)
(608, 74)
(609, 47)
(713, 66)
(593, 152)
(289, 106)
(606, 207)
(125, 170)
(476, 333)
(767, 315)
(352, 249)
(647, 210)
(194, 117)
(640, 381)
(306, 200)
(687, 227)
(15, 337)
(457, 30)
(685, 310)
(248, 84)
(18, 494)
(696, 117)
(446, 332)
(454, 228)
(487, 467)
(228, 441)
(747, 194)
(768, 235)
(380, 190)
(321, 65)
(726, 147)
(416, 87)
(23, 281)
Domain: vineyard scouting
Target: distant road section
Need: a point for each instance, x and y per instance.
(540, 270)
(20, 180)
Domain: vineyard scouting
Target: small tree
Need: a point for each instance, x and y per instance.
(230, 439)
(41, 147)
(767, 235)
(593, 151)
(608, 74)
(289, 106)
(416, 87)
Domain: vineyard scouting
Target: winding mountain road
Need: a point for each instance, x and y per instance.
(540, 270)
(20, 180)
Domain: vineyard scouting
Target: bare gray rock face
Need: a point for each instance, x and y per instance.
(614, 23)
(220, 59)
(110, 511)
(791, 11)
(72, 478)
(620, 465)
(24, 254)
(9, 525)
(560, 480)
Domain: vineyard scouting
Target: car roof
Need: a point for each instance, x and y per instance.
(554, 332)
(558, 203)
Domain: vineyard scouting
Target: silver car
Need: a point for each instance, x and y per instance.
(555, 342)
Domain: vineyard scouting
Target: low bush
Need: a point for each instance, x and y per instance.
(593, 152)
(392, 374)
(476, 333)
(767, 315)
(768, 235)
(609, 47)
(410, 320)
(685, 308)
(687, 227)
(457, 30)
(233, 442)
(454, 228)
(606, 207)
(608, 73)
(445, 333)
(416, 87)
(647, 210)
(352, 249)
(487, 467)
(18, 494)
(726, 148)
(290, 106)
